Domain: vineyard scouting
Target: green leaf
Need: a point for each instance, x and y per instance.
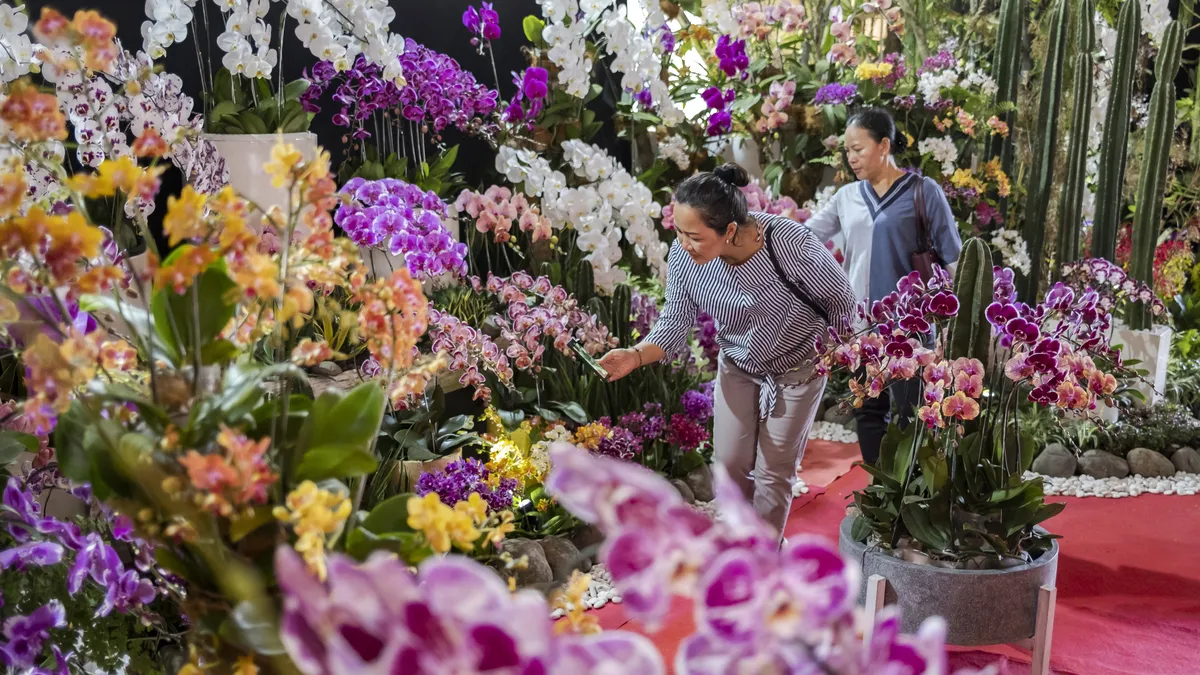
(572, 411)
(69, 448)
(137, 319)
(335, 460)
(410, 546)
(254, 626)
(339, 432)
(934, 467)
(860, 528)
(533, 27)
(511, 418)
(240, 527)
(222, 110)
(14, 443)
(218, 352)
(456, 424)
(199, 315)
(390, 515)
(919, 524)
(445, 162)
(292, 90)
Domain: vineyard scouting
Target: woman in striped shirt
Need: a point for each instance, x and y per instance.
(772, 288)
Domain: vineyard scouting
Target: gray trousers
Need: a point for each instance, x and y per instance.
(763, 456)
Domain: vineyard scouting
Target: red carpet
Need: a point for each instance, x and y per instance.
(1128, 579)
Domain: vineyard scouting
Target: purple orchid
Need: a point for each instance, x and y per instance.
(453, 615)
(835, 93)
(39, 553)
(25, 636)
(731, 56)
(484, 22)
(460, 478)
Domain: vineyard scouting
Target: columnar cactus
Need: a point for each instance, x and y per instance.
(970, 333)
(1115, 146)
(1070, 210)
(1006, 69)
(1153, 180)
(622, 308)
(585, 282)
(1045, 147)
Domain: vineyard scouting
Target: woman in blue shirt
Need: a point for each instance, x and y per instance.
(772, 288)
(877, 216)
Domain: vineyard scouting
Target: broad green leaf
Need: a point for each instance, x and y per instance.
(14, 443)
(292, 90)
(197, 317)
(240, 527)
(917, 520)
(218, 352)
(860, 528)
(73, 460)
(533, 27)
(137, 319)
(254, 626)
(390, 515)
(410, 546)
(335, 460)
(456, 424)
(572, 411)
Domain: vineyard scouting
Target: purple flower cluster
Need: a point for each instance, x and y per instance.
(471, 352)
(125, 589)
(697, 404)
(484, 22)
(904, 102)
(938, 62)
(537, 309)
(706, 337)
(721, 119)
(835, 93)
(620, 444)
(23, 638)
(647, 425)
(453, 616)
(666, 39)
(644, 313)
(460, 478)
(533, 89)
(401, 218)
(437, 91)
(731, 56)
(753, 599)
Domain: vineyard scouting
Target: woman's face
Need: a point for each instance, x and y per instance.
(700, 241)
(865, 155)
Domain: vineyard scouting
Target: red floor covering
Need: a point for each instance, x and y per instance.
(1128, 579)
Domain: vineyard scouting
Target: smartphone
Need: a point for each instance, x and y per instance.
(587, 358)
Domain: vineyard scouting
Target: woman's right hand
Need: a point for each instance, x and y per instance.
(619, 363)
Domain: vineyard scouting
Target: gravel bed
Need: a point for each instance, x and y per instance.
(829, 431)
(1131, 486)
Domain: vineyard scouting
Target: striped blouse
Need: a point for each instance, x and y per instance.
(762, 327)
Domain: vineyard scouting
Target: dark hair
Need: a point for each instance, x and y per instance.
(879, 123)
(715, 195)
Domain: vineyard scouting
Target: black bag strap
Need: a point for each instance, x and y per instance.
(794, 286)
(924, 241)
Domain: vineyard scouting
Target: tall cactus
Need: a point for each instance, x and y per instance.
(585, 282)
(1070, 210)
(970, 333)
(1045, 147)
(1155, 155)
(1115, 145)
(622, 310)
(1006, 70)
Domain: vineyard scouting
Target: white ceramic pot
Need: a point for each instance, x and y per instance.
(1152, 349)
(246, 154)
(745, 152)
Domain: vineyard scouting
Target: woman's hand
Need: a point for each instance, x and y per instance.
(620, 362)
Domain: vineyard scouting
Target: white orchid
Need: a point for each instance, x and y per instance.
(942, 149)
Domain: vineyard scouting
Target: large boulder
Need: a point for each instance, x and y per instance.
(1100, 464)
(1149, 463)
(684, 490)
(536, 571)
(588, 538)
(839, 413)
(564, 558)
(1056, 461)
(700, 481)
(1186, 460)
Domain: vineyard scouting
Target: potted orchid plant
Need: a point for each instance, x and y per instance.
(949, 500)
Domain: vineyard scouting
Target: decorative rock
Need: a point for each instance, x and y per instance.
(588, 539)
(563, 558)
(839, 414)
(684, 490)
(1056, 460)
(1130, 486)
(700, 480)
(327, 368)
(829, 431)
(537, 570)
(1150, 463)
(1186, 460)
(852, 425)
(1100, 464)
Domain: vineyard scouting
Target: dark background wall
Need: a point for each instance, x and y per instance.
(435, 23)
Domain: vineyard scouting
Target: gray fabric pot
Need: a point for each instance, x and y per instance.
(981, 607)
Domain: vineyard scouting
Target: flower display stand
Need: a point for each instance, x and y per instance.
(1014, 605)
(1152, 349)
(246, 154)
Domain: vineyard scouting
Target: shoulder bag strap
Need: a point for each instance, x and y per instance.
(924, 241)
(793, 286)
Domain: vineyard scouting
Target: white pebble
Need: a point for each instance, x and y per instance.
(1181, 483)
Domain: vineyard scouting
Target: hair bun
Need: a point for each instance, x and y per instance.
(900, 144)
(733, 174)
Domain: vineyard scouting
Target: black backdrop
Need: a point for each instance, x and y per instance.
(435, 23)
